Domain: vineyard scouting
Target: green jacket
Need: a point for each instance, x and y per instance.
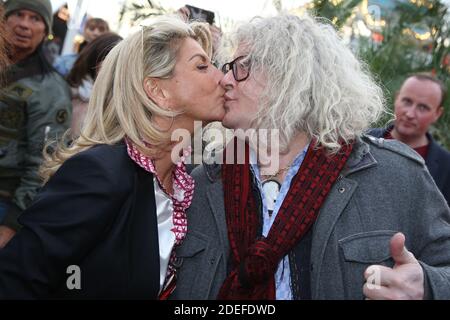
(34, 108)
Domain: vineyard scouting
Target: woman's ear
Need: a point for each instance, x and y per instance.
(153, 89)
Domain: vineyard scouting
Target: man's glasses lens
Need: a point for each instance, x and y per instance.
(239, 73)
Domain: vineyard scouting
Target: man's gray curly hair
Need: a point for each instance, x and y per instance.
(315, 84)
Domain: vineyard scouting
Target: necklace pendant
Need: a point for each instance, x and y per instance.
(271, 189)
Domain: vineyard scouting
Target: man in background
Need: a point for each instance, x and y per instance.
(418, 105)
(35, 108)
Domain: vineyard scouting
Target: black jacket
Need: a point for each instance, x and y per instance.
(437, 161)
(97, 212)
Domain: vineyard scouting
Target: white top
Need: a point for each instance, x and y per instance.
(166, 237)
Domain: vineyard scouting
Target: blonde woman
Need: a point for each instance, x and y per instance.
(113, 208)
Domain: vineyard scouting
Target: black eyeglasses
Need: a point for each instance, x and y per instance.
(240, 73)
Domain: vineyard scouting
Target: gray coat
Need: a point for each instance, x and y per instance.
(385, 188)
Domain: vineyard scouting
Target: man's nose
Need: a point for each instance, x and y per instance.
(411, 112)
(228, 81)
(24, 22)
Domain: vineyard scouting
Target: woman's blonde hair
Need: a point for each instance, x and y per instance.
(315, 84)
(119, 106)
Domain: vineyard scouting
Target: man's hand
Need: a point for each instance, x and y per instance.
(6, 234)
(405, 281)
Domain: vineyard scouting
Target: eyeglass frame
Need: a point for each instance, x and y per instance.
(231, 65)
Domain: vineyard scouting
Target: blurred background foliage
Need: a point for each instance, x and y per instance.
(396, 39)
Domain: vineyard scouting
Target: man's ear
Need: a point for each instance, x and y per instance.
(153, 89)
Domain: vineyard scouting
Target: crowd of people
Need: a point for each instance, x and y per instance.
(91, 177)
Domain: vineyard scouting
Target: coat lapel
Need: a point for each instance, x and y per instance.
(432, 160)
(144, 255)
(336, 202)
(217, 206)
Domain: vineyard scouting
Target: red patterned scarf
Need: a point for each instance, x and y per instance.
(255, 259)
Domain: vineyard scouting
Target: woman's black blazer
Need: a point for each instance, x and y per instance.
(91, 233)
